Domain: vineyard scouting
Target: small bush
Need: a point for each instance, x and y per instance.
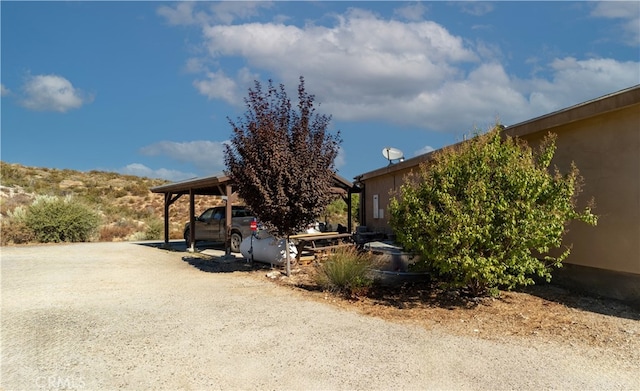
(54, 219)
(14, 229)
(154, 230)
(110, 233)
(346, 271)
(137, 189)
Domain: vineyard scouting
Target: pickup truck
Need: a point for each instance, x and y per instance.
(211, 226)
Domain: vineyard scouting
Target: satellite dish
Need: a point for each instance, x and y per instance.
(392, 154)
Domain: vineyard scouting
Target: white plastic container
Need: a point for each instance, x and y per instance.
(262, 247)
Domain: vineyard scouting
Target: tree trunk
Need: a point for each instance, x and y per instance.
(288, 255)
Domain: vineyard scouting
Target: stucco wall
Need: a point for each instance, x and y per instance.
(606, 150)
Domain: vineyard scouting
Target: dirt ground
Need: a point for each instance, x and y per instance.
(541, 312)
(127, 316)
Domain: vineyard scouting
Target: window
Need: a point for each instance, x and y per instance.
(376, 206)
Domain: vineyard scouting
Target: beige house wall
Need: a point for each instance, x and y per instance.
(606, 150)
(602, 137)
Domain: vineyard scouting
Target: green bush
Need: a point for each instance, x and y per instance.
(336, 212)
(154, 230)
(55, 219)
(346, 271)
(486, 213)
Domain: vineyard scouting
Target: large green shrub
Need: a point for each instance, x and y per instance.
(486, 213)
(55, 219)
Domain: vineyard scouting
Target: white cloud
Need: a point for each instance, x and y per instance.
(628, 11)
(195, 65)
(413, 12)
(364, 67)
(218, 86)
(52, 93)
(182, 14)
(574, 78)
(4, 90)
(341, 158)
(208, 156)
(339, 63)
(226, 12)
(424, 150)
(476, 8)
(141, 170)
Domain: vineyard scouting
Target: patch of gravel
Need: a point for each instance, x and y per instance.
(125, 316)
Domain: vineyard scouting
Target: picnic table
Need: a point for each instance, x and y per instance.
(316, 245)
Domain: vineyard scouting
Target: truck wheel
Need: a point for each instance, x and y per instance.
(236, 239)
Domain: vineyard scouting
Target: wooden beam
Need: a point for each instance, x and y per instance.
(228, 191)
(192, 221)
(167, 202)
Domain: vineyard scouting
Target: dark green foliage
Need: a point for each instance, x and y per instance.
(54, 219)
(486, 213)
(282, 159)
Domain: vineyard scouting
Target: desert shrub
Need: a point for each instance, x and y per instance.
(55, 219)
(137, 189)
(346, 271)
(10, 175)
(336, 212)
(137, 236)
(117, 193)
(14, 229)
(154, 230)
(486, 213)
(110, 233)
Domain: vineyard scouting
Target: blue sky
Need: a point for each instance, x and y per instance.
(145, 88)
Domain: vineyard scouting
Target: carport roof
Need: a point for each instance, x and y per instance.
(215, 185)
(210, 185)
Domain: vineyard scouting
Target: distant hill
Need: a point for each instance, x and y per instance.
(125, 203)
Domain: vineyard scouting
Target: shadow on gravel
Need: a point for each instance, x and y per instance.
(207, 262)
(583, 301)
(212, 264)
(179, 245)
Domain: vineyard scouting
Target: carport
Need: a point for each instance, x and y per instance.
(223, 186)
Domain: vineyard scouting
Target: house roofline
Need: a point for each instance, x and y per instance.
(604, 104)
(607, 103)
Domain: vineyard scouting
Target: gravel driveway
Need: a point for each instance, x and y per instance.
(108, 316)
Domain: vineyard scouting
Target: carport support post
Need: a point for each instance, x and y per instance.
(167, 203)
(192, 221)
(348, 201)
(227, 216)
(287, 254)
